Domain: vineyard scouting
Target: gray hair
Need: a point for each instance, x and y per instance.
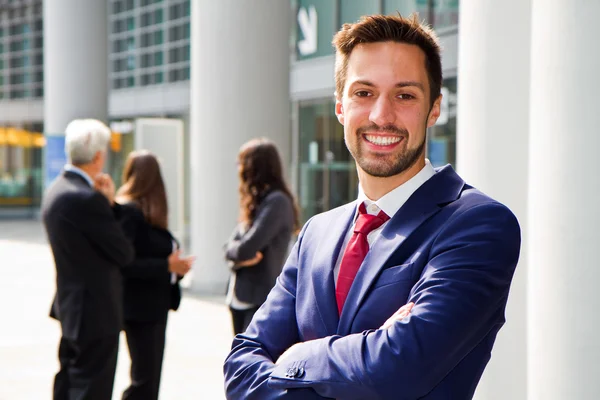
(84, 138)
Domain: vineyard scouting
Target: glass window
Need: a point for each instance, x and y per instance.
(130, 24)
(175, 33)
(145, 80)
(145, 62)
(130, 81)
(405, 7)
(327, 175)
(185, 52)
(158, 37)
(117, 7)
(130, 62)
(185, 73)
(128, 5)
(158, 16)
(146, 19)
(158, 58)
(158, 77)
(441, 143)
(173, 56)
(445, 13)
(186, 8)
(352, 10)
(175, 11)
(186, 30)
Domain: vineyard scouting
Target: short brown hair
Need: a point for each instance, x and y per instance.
(392, 28)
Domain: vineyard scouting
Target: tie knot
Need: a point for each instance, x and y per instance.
(365, 223)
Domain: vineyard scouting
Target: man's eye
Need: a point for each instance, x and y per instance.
(406, 96)
(362, 93)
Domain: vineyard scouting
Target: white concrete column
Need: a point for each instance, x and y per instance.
(75, 62)
(492, 142)
(239, 90)
(564, 195)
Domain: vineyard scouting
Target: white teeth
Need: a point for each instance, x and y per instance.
(383, 140)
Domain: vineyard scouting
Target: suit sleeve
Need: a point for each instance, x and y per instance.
(273, 329)
(459, 298)
(97, 221)
(269, 221)
(157, 268)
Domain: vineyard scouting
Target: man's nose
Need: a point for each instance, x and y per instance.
(383, 112)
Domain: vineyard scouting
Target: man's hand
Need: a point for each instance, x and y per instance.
(402, 313)
(105, 185)
(179, 265)
(250, 262)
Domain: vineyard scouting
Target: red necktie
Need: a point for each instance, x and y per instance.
(356, 251)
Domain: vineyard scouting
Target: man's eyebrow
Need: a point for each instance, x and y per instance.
(398, 85)
(411, 83)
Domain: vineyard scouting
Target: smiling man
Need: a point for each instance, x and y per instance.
(399, 294)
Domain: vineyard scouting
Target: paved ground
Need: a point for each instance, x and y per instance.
(198, 335)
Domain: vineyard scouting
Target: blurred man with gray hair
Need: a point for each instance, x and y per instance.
(89, 249)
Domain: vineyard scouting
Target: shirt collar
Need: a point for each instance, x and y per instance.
(80, 172)
(391, 202)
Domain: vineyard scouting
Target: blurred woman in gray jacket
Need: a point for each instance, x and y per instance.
(259, 244)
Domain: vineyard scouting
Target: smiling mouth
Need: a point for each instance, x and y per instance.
(380, 140)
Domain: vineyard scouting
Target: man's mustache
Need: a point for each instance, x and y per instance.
(374, 128)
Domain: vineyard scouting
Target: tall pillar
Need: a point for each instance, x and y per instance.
(564, 195)
(75, 62)
(492, 142)
(239, 90)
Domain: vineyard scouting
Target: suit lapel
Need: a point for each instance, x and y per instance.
(444, 187)
(330, 243)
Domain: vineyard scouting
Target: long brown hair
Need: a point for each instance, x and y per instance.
(143, 185)
(260, 173)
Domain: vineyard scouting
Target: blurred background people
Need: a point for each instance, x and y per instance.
(89, 249)
(259, 244)
(151, 281)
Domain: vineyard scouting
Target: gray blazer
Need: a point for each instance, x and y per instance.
(270, 233)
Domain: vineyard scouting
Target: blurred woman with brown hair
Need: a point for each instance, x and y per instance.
(259, 244)
(151, 282)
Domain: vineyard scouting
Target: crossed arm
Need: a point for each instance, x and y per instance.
(461, 295)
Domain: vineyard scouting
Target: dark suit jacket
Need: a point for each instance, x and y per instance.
(449, 249)
(89, 249)
(148, 292)
(270, 234)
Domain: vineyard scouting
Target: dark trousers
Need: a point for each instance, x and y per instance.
(146, 342)
(87, 369)
(241, 319)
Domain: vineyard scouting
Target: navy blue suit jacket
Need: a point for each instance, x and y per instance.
(449, 249)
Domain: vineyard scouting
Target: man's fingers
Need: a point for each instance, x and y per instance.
(399, 315)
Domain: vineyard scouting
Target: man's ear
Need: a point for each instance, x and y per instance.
(339, 111)
(97, 156)
(434, 114)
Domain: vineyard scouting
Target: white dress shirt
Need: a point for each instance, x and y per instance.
(389, 203)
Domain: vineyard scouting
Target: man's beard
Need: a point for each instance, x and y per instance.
(387, 166)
